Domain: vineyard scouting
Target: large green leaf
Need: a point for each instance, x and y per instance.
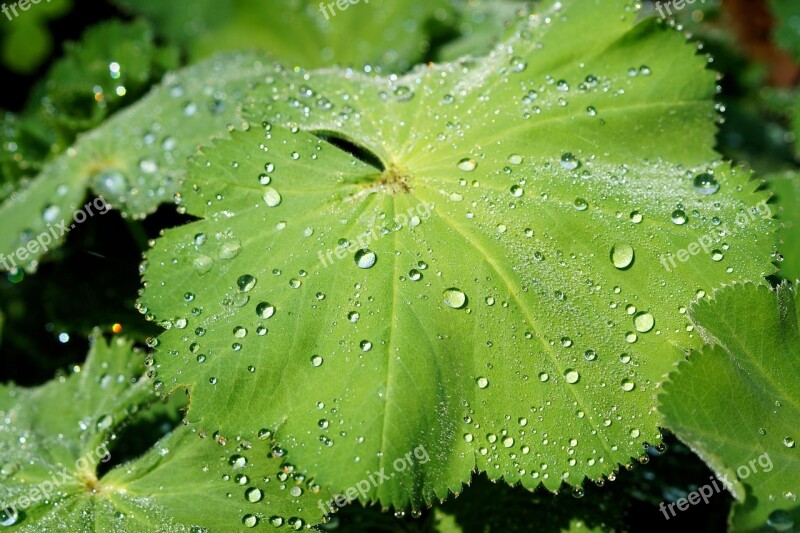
(394, 34)
(500, 299)
(136, 159)
(54, 440)
(787, 191)
(737, 403)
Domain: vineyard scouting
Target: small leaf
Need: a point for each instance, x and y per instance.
(383, 33)
(786, 186)
(136, 159)
(54, 439)
(737, 403)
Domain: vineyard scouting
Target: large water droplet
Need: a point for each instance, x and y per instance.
(643, 322)
(622, 255)
(246, 282)
(365, 258)
(569, 161)
(705, 184)
(572, 376)
(467, 165)
(272, 197)
(455, 298)
(265, 310)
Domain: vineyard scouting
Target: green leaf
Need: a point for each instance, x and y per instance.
(480, 25)
(112, 65)
(787, 32)
(786, 186)
(747, 384)
(136, 159)
(387, 33)
(54, 440)
(502, 299)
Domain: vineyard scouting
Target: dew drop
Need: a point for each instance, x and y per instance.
(454, 298)
(679, 217)
(705, 184)
(365, 258)
(246, 282)
(572, 376)
(272, 197)
(643, 322)
(788, 442)
(622, 255)
(569, 161)
(265, 310)
(482, 382)
(467, 165)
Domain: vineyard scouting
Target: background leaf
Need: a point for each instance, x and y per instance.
(62, 452)
(746, 385)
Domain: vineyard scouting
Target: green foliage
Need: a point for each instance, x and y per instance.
(394, 34)
(786, 186)
(26, 40)
(472, 292)
(566, 317)
(747, 383)
(136, 159)
(55, 439)
(112, 65)
(787, 32)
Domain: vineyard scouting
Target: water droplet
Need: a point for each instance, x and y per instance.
(780, 520)
(572, 376)
(705, 184)
(105, 422)
(622, 255)
(581, 204)
(590, 355)
(679, 217)
(569, 161)
(517, 191)
(265, 310)
(518, 64)
(717, 255)
(482, 382)
(627, 385)
(253, 495)
(353, 316)
(643, 322)
(272, 197)
(250, 520)
(467, 165)
(454, 298)
(50, 213)
(508, 442)
(788, 442)
(365, 258)
(203, 264)
(246, 282)
(543, 376)
(366, 345)
(8, 516)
